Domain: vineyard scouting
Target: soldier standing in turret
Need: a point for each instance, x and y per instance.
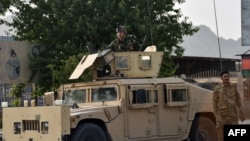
(122, 42)
(227, 104)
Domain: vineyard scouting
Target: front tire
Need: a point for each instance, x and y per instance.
(88, 132)
(203, 129)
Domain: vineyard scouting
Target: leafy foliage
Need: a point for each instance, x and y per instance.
(4, 5)
(16, 102)
(65, 27)
(17, 90)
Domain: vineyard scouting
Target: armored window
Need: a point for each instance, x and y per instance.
(145, 62)
(103, 94)
(179, 95)
(122, 62)
(75, 96)
(176, 95)
(141, 96)
(152, 96)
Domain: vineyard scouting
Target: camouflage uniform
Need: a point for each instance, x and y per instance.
(227, 104)
(119, 46)
(122, 42)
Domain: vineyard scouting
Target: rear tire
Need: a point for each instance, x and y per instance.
(88, 132)
(203, 129)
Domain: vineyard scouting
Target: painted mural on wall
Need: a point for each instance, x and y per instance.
(12, 66)
(14, 61)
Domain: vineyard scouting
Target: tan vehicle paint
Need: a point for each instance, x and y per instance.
(124, 103)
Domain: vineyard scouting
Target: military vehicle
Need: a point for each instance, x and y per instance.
(126, 101)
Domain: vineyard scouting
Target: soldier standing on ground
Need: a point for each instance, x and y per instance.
(122, 42)
(227, 104)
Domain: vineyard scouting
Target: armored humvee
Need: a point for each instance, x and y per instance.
(126, 101)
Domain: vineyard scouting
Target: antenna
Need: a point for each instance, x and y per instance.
(142, 44)
(151, 35)
(218, 35)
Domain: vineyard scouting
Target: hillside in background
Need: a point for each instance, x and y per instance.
(204, 43)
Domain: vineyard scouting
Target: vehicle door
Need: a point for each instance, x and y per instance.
(142, 111)
(173, 114)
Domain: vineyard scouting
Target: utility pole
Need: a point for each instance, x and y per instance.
(218, 36)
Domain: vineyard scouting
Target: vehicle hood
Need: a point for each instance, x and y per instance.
(104, 113)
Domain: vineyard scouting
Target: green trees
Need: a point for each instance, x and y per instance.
(4, 5)
(65, 27)
(16, 92)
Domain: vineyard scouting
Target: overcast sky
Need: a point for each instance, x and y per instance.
(201, 12)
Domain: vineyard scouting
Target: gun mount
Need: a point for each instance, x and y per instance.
(109, 64)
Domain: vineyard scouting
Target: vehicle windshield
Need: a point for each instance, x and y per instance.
(103, 94)
(75, 96)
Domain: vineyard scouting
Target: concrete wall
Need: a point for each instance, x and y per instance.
(14, 61)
